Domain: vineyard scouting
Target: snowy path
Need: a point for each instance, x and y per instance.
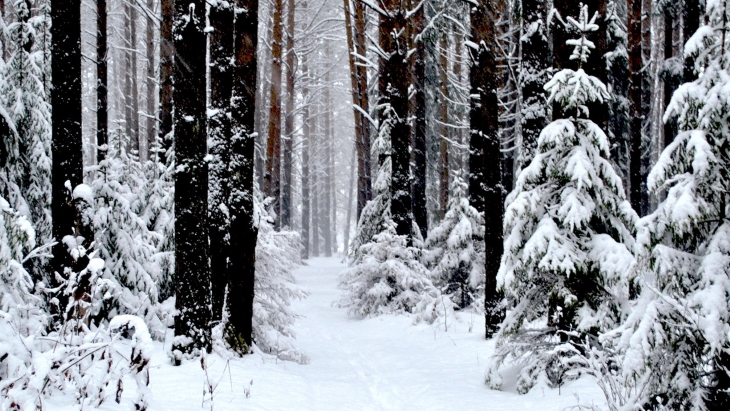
(381, 363)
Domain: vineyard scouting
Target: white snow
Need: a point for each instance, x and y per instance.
(378, 363)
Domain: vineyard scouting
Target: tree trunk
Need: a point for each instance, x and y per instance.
(690, 24)
(102, 129)
(364, 184)
(485, 191)
(286, 197)
(418, 185)
(671, 79)
(66, 125)
(220, 18)
(150, 111)
(635, 112)
(167, 54)
(350, 192)
(272, 179)
(314, 166)
(132, 92)
(534, 74)
(393, 84)
(243, 232)
(333, 185)
(327, 191)
(192, 271)
(305, 160)
(443, 138)
(355, 86)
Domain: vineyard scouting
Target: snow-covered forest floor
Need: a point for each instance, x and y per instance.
(379, 363)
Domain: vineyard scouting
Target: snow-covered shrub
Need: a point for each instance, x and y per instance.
(77, 358)
(676, 342)
(24, 97)
(568, 235)
(455, 249)
(122, 236)
(391, 279)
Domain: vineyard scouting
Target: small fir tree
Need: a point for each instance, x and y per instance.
(568, 228)
(455, 247)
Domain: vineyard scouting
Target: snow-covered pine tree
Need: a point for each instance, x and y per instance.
(568, 228)
(676, 340)
(122, 235)
(455, 249)
(277, 254)
(25, 99)
(159, 214)
(376, 211)
(389, 278)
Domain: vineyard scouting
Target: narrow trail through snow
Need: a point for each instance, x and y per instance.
(379, 363)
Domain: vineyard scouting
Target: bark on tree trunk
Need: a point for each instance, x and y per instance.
(66, 125)
(243, 232)
(314, 166)
(350, 191)
(690, 24)
(534, 74)
(671, 79)
(272, 179)
(393, 84)
(192, 271)
(443, 141)
(327, 191)
(635, 111)
(418, 185)
(150, 110)
(485, 188)
(101, 82)
(220, 18)
(305, 160)
(167, 54)
(364, 171)
(286, 196)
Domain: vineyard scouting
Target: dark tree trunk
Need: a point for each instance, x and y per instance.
(690, 24)
(66, 125)
(485, 190)
(102, 129)
(364, 184)
(444, 168)
(393, 84)
(418, 185)
(192, 271)
(534, 74)
(670, 77)
(272, 179)
(243, 233)
(286, 197)
(167, 54)
(306, 200)
(150, 111)
(220, 18)
(635, 111)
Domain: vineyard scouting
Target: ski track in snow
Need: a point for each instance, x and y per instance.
(379, 363)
